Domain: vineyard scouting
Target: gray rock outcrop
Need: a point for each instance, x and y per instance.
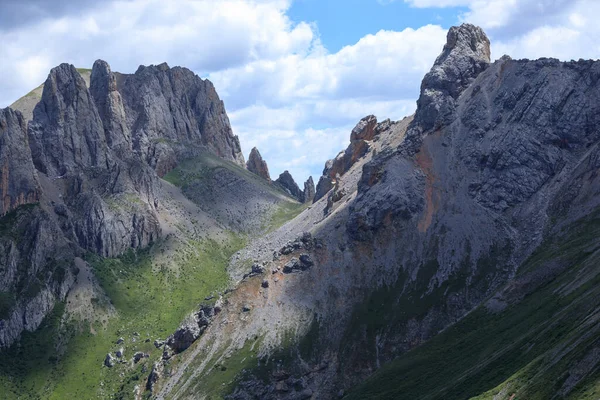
(287, 183)
(103, 87)
(190, 329)
(66, 134)
(465, 55)
(257, 165)
(309, 190)
(173, 115)
(18, 179)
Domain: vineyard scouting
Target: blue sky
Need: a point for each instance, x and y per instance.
(344, 22)
(295, 75)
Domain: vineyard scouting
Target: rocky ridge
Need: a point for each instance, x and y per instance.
(435, 218)
(87, 163)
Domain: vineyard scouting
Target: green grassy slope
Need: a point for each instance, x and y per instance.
(533, 349)
(203, 167)
(64, 359)
(232, 194)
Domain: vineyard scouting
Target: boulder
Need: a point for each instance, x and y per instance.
(155, 375)
(109, 361)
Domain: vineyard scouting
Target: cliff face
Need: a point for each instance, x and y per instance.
(66, 133)
(173, 114)
(103, 87)
(18, 179)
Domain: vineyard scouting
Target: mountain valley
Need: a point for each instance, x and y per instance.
(452, 254)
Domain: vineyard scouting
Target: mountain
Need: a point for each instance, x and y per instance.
(82, 177)
(449, 255)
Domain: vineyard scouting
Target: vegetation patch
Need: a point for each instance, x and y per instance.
(64, 359)
(285, 212)
(510, 354)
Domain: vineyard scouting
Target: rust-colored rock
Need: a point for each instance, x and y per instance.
(257, 165)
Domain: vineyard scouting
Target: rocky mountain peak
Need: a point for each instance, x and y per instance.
(287, 183)
(465, 55)
(466, 40)
(173, 114)
(66, 132)
(257, 165)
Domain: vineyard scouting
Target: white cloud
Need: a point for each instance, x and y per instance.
(203, 35)
(313, 101)
(532, 28)
(284, 92)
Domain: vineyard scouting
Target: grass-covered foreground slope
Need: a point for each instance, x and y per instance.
(64, 359)
(538, 339)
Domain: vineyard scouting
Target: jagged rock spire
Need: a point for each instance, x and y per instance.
(287, 183)
(103, 87)
(257, 165)
(309, 190)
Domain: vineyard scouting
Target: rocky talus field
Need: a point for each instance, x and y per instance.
(454, 254)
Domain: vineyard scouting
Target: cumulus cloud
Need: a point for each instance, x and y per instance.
(312, 101)
(532, 28)
(203, 35)
(284, 92)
